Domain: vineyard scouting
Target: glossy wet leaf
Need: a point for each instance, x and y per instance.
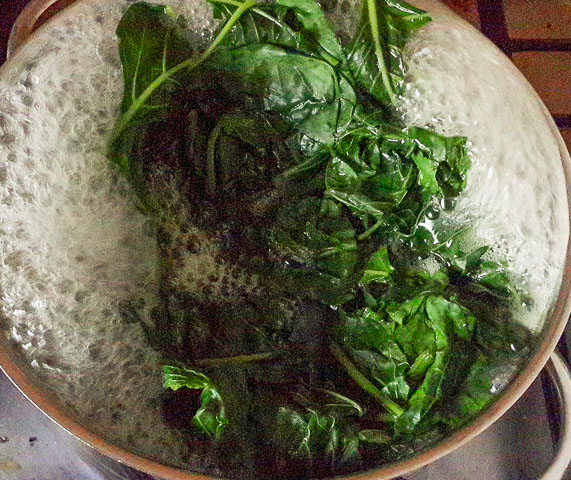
(374, 54)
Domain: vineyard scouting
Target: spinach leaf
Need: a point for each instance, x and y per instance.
(364, 330)
(314, 436)
(378, 268)
(152, 40)
(314, 233)
(271, 23)
(387, 372)
(210, 418)
(324, 430)
(375, 53)
(419, 334)
(425, 396)
(485, 378)
(442, 161)
(450, 161)
(176, 377)
(389, 177)
(313, 21)
(155, 50)
(315, 99)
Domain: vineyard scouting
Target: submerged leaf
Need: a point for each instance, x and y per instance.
(425, 396)
(210, 418)
(176, 377)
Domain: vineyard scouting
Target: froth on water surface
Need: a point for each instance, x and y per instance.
(75, 249)
(515, 199)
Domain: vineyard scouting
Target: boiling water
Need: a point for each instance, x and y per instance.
(74, 248)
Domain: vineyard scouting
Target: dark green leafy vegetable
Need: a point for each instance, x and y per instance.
(277, 148)
(378, 268)
(311, 17)
(319, 429)
(210, 418)
(175, 378)
(375, 54)
(152, 40)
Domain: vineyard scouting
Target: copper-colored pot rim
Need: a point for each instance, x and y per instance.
(26, 24)
(549, 338)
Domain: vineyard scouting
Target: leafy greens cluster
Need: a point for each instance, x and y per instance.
(282, 142)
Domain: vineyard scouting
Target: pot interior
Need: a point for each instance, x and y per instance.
(76, 250)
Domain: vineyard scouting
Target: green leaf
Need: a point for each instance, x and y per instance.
(389, 373)
(375, 53)
(399, 312)
(176, 377)
(417, 334)
(152, 40)
(450, 161)
(154, 49)
(271, 23)
(420, 365)
(311, 17)
(210, 418)
(425, 396)
(378, 268)
(314, 233)
(494, 276)
(306, 91)
(364, 330)
(437, 310)
(398, 389)
(317, 435)
(463, 321)
(485, 379)
(427, 174)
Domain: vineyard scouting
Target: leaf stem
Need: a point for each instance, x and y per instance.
(236, 360)
(236, 3)
(367, 233)
(189, 63)
(372, 6)
(364, 383)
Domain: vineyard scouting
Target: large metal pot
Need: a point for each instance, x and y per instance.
(114, 459)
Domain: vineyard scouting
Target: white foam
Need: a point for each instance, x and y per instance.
(515, 199)
(74, 247)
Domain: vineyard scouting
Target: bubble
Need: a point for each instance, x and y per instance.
(74, 246)
(515, 199)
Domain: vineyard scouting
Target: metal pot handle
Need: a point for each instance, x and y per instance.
(26, 23)
(560, 375)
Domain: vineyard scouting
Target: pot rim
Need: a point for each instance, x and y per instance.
(555, 325)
